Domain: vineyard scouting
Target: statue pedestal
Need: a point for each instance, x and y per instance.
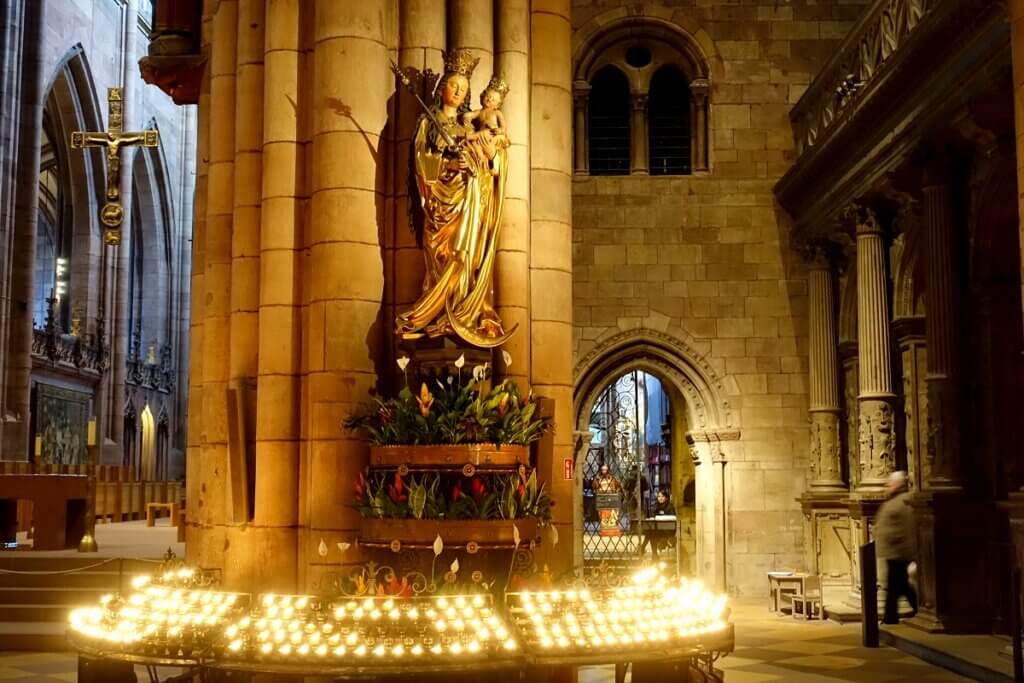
(436, 357)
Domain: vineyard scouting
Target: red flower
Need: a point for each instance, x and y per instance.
(457, 491)
(520, 490)
(360, 487)
(477, 488)
(396, 492)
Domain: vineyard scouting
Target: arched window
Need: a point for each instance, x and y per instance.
(668, 123)
(659, 115)
(608, 123)
(50, 243)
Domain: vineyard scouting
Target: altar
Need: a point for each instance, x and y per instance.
(58, 508)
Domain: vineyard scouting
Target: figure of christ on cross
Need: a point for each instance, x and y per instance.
(114, 138)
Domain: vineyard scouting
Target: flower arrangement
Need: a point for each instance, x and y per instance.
(452, 412)
(382, 495)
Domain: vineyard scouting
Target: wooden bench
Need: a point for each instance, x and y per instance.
(151, 509)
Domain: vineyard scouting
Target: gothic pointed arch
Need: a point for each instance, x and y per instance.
(666, 356)
(76, 187)
(151, 271)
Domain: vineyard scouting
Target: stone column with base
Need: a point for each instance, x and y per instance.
(958, 537)
(876, 435)
(638, 138)
(580, 98)
(699, 129)
(822, 501)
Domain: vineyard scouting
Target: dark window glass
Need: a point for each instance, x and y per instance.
(608, 109)
(668, 123)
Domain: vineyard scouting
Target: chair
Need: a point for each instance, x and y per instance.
(804, 603)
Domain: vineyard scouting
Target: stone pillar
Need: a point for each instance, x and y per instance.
(472, 27)
(551, 245)
(10, 112)
(638, 134)
(580, 97)
(352, 84)
(941, 328)
(512, 278)
(421, 41)
(825, 469)
(120, 335)
(876, 400)
(914, 357)
(1017, 39)
(26, 217)
(699, 126)
(276, 568)
(212, 504)
(276, 505)
(199, 541)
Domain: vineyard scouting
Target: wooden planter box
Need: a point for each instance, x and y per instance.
(450, 456)
(399, 534)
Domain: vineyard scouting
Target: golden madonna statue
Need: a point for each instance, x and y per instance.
(458, 171)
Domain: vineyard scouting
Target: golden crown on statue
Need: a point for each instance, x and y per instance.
(498, 85)
(460, 61)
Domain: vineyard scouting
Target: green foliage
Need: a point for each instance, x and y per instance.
(451, 413)
(386, 495)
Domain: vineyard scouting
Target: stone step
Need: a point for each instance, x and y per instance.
(978, 657)
(64, 596)
(34, 636)
(21, 612)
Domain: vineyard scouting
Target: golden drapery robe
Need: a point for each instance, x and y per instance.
(461, 203)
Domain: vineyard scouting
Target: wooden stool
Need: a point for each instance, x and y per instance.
(804, 603)
(151, 509)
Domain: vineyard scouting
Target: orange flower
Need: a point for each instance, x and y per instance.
(503, 405)
(425, 399)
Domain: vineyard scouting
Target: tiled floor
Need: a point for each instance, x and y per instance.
(768, 648)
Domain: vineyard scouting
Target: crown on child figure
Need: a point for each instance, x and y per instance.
(460, 61)
(498, 85)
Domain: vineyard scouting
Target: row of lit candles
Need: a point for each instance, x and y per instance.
(651, 610)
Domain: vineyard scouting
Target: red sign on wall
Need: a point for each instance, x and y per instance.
(568, 472)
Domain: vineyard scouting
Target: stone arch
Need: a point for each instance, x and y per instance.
(668, 357)
(697, 55)
(908, 275)
(71, 104)
(153, 225)
(672, 38)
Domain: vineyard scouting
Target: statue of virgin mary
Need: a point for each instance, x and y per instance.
(456, 192)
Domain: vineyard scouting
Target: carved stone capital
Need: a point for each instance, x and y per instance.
(638, 100)
(864, 218)
(699, 88)
(580, 93)
(818, 254)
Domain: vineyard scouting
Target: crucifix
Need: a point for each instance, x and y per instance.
(114, 138)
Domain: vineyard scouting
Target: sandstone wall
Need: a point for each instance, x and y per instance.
(708, 254)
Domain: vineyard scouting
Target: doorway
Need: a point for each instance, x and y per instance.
(637, 476)
(148, 459)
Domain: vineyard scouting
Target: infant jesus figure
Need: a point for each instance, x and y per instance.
(488, 123)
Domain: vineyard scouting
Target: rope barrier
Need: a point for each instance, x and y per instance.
(77, 570)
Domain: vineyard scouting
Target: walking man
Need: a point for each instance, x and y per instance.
(896, 541)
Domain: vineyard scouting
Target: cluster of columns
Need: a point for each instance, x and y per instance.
(302, 256)
(848, 474)
(100, 275)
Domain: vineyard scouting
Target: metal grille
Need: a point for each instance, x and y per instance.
(608, 124)
(668, 117)
(618, 424)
